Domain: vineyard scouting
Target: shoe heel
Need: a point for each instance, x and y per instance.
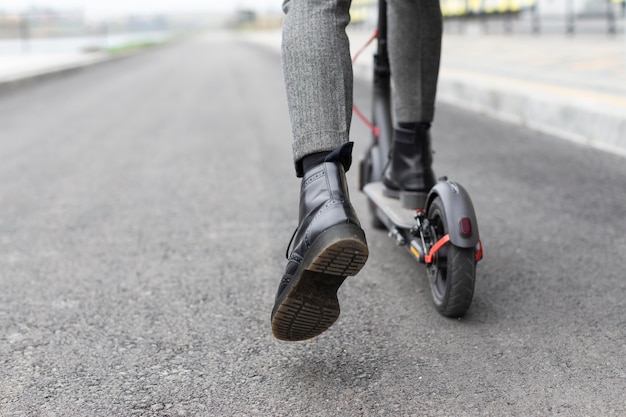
(341, 250)
(311, 310)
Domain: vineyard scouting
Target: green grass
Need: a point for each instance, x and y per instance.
(131, 47)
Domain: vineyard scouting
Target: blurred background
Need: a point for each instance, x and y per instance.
(62, 26)
(522, 16)
(65, 26)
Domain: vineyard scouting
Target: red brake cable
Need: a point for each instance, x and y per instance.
(429, 257)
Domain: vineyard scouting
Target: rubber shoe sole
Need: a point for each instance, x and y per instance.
(309, 304)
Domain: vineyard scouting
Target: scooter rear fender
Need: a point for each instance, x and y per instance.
(457, 206)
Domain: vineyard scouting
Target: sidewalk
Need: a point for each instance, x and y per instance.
(571, 87)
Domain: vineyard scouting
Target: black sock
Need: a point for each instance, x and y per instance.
(313, 160)
(414, 126)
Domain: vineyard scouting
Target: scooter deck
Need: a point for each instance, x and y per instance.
(390, 207)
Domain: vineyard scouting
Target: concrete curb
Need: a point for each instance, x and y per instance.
(586, 118)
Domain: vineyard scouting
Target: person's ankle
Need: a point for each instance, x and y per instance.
(415, 126)
(312, 160)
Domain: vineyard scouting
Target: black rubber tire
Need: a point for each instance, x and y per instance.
(453, 272)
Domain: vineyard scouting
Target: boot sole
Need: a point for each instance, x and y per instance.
(310, 305)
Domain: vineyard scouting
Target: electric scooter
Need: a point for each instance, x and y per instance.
(443, 233)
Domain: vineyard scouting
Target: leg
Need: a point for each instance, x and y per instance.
(318, 75)
(328, 244)
(415, 30)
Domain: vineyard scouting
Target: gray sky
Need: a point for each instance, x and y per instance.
(107, 8)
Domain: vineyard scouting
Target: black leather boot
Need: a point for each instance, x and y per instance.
(409, 175)
(328, 245)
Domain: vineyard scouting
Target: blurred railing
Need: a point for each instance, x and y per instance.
(535, 16)
(27, 31)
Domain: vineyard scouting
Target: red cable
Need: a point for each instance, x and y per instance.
(367, 43)
(375, 130)
(433, 250)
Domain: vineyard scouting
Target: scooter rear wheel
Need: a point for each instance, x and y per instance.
(452, 273)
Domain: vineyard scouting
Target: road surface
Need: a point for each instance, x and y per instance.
(145, 208)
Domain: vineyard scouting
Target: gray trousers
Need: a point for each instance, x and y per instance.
(318, 69)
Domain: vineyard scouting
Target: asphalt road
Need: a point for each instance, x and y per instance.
(145, 208)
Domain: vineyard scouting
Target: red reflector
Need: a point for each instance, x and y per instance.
(466, 226)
